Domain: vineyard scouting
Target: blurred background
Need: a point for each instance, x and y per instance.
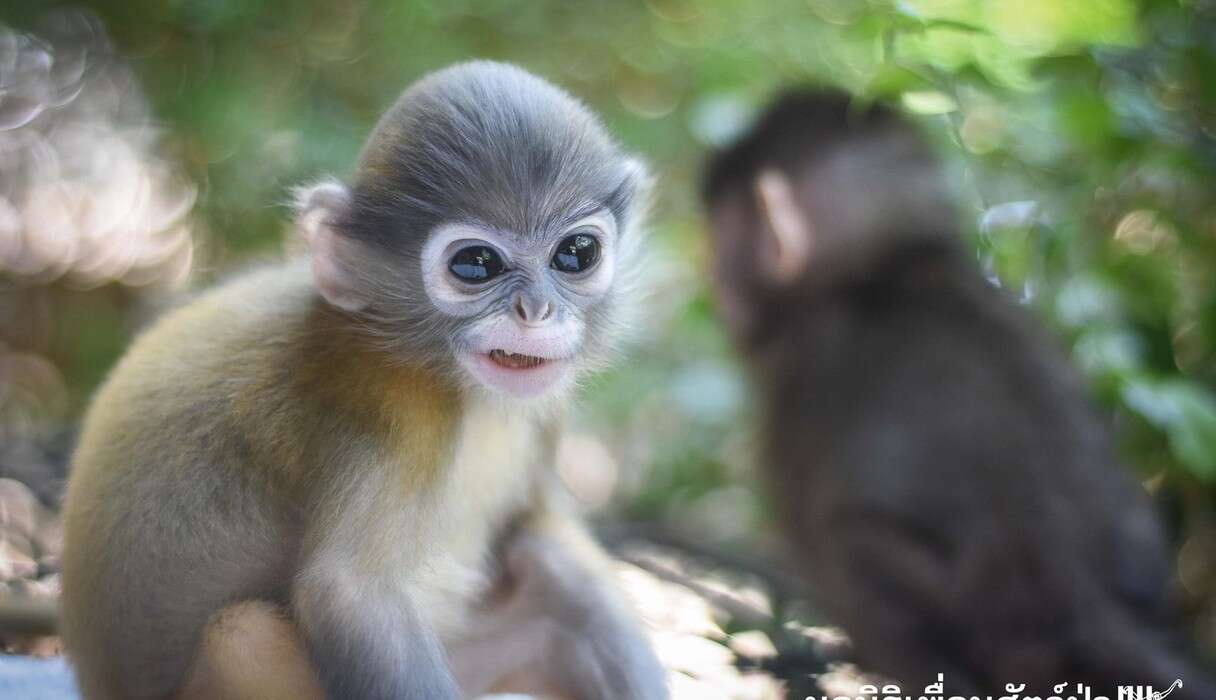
(147, 148)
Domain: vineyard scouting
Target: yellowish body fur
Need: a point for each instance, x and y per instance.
(286, 379)
(335, 471)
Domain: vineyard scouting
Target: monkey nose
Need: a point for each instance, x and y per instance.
(532, 309)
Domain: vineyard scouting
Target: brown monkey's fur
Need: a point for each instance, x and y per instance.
(952, 495)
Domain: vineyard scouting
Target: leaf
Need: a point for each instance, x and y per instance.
(891, 80)
(1194, 438)
(908, 14)
(1186, 412)
(929, 102)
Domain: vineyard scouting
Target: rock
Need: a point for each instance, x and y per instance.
(753, 644)
(48, 540)
(16, 561)
(826, 642)
(690, 643)
(45, 588)
(845, 680)
(20, 511)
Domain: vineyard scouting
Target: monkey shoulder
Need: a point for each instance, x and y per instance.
(180, 379)
(224, 329)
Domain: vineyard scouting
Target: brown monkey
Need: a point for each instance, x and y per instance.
(935, 461)
(339, 458)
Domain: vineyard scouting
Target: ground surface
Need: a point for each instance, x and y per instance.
(714, 628)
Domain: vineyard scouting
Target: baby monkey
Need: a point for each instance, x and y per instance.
(331, 477)
(935, 462)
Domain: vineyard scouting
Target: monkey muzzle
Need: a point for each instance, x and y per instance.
(515, 373)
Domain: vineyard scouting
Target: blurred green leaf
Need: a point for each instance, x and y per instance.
(1080, 134)
(1186, 412)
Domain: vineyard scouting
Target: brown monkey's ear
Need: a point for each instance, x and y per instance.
(317, 209)
(789, 233)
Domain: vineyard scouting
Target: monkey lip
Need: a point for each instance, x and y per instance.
(514, 360)
(516, 374)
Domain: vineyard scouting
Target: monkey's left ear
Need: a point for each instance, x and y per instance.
(632, 196)
(318, 208)
(788, 232)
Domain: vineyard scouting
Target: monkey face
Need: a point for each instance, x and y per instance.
(524, 302)
(490, 232)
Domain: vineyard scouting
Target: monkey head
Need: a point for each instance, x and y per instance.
(817, 190)
(490, 230)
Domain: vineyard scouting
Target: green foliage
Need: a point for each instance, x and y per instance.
(1098, 115)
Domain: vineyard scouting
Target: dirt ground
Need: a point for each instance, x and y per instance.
(715, 629)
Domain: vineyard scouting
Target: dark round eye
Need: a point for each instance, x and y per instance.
(477, 264)
(576, 253)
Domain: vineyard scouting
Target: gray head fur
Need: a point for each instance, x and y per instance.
(485, 142)
(490, 146)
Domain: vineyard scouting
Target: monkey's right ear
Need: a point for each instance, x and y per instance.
(789, 234)
(317, 209)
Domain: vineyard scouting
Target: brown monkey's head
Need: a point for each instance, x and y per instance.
(812, 193)
(490, 229)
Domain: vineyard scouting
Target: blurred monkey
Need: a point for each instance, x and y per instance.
(953, 497)
(331, 477)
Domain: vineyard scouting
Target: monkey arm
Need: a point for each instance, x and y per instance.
(366, 642)
(355, 604)
(595, 648)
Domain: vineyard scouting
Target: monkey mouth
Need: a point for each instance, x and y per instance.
(514, 360)
(517, 374)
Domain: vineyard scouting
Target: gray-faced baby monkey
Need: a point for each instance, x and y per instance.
(310, 480)
(934, 459)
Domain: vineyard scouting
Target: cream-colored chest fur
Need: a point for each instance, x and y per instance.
(494, 465)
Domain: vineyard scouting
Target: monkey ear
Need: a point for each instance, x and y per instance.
(638, 177)
(317, 209)
(790, 235)
(633, 194)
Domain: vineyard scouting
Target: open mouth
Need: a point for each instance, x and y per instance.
(512, 360)
(517, 374)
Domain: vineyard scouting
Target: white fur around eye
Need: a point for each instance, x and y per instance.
(598, 280)
(448, 295)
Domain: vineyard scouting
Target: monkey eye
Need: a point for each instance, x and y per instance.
(476, 264)
(576, 253)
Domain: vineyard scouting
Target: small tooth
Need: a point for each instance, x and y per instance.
(515, 359)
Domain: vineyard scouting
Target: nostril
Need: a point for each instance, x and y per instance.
(532, 309)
